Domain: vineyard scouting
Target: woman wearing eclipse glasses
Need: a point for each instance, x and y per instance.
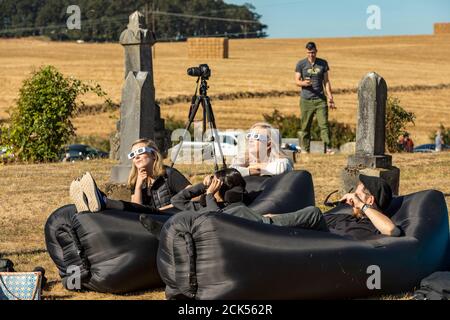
(151, 183)
(262, 155)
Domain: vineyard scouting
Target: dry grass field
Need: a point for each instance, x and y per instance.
(255, 65)
(29, 193)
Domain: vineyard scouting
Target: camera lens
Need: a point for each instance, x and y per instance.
(194, 72)
(200, 71)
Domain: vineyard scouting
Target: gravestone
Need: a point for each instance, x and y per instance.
(140, 116)
(370, 158)
(316, 147)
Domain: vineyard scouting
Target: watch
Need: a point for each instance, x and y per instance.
(365, 207)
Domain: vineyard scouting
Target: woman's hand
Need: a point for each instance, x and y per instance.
(141, 178)
(214, 186)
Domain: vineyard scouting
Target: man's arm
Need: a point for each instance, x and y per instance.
(379, 220)
(301, 83)
(327, 83)
(382, 223)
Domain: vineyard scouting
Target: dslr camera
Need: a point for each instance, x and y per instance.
(202, 71)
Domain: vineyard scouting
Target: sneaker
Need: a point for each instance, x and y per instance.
(78, 197)
(153, 226)
(94, 197)
(329, 151)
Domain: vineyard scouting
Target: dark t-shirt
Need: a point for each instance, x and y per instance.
(316, 72)
(176, 182)
(349, 226)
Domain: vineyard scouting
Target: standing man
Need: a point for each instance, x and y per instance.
(311, 75)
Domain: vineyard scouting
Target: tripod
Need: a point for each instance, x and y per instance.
(208, 118)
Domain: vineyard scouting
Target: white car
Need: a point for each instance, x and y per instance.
(194, 149)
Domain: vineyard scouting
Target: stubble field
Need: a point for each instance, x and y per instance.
(29, 193)
(259, 66)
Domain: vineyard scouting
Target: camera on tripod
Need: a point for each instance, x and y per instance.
(202, 71)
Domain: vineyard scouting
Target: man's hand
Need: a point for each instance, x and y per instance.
(331, 103)
(353, 200)
(306, 83)
(214, 186)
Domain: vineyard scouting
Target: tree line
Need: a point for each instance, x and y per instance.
(103, 21)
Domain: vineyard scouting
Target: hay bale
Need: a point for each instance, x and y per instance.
(442, 28)
(207, 48)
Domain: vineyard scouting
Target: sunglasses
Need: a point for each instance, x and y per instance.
(139, 151)
(256, 136)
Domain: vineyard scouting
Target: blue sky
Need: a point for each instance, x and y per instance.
(345, 18)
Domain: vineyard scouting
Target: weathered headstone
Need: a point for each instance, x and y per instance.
(348, 148)
(139, 114)
(369, 158)
(316, 147)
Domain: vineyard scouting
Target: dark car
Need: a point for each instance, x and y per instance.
(430, 147)
(76, 152)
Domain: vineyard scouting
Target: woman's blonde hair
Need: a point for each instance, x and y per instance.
(158, 167)
(274, 139)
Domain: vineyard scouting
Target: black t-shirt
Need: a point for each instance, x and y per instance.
(349, 226)
(176, 182)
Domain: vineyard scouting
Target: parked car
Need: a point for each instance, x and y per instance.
(6, 153)
(228, 144)
(77, 152)
(430, 147)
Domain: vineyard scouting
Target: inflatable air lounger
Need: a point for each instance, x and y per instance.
(219, 256)
(116, 254)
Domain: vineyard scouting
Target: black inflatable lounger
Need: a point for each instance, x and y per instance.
(115, 253)
(219, 256)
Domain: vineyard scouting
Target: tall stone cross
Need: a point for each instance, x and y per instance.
(138, 112)
(370, 158)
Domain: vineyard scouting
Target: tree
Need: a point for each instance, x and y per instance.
(41, 121)
(397, 119)
(104, 20)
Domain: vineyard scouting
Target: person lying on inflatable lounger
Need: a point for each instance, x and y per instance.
(224, 192)
(263, 155)
(151, 183)
(372, 196)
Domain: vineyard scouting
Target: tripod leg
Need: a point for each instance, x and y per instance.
(206, 121)
(192, 112)
(212, 125)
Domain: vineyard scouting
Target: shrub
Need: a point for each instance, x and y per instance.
(397, 119)
(340, 133)
(40, 123)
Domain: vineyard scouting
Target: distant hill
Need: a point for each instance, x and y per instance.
(103, 21)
